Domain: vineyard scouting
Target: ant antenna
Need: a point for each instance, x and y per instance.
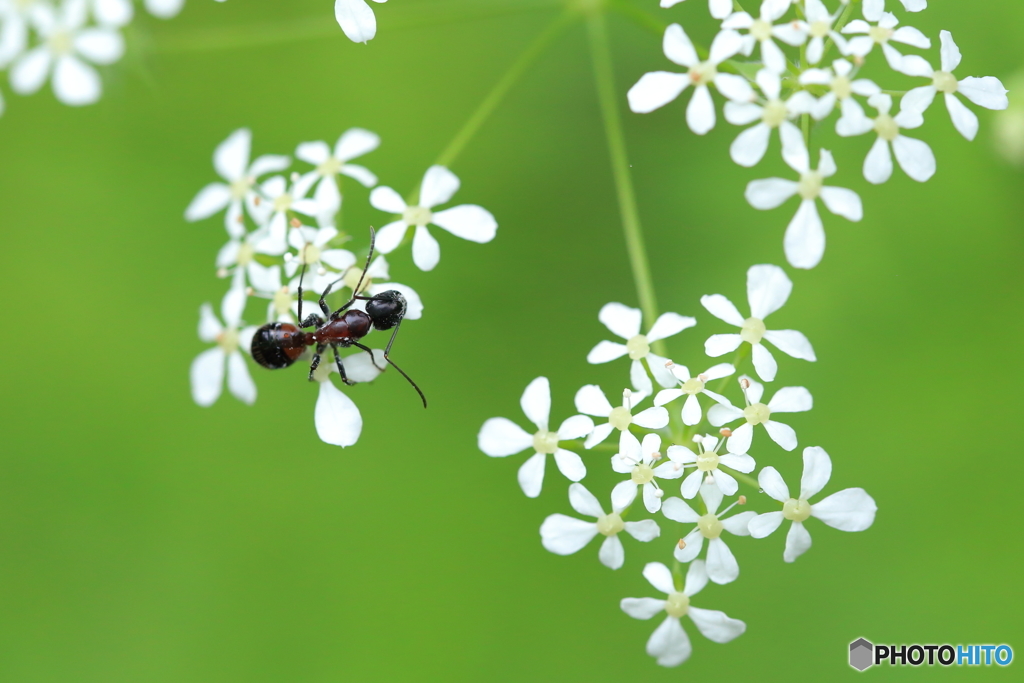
(388, 359)
(301, 275)
(373, 239)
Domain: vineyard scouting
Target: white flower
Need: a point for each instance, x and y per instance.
(873, 9)
(271, 205)
(985, 92)
(564, 535)
(848, 510)
(915, 157)
(722, 565)
(762, 31)
(841, 88)
(114, 13)
(468, 221)
(819, 27)
(336, 417)
(669, 643)
(207, 371)
(658, 88)
(785, 400)
(65, 39)
(805, 236)
(692, 386)
(231, 160)
(750, 146)
(719, 9)
(356, 19)
(378, 270)
(238, 257)
(882, 34)
(590, 400)
(706, 466)
(309, 245)
(637, 460)
(15, 22)
(355, 142)
(768, 289)
(165, 9)
(624, 322)
(500, 437)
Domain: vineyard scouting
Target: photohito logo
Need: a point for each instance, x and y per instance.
(864, 654)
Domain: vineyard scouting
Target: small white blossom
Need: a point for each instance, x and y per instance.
(355, 142)
(637, 460)
(915, 156)
(873, 9)
(669, 643)
(658, 88)
(372, 286)
(624, 322)
(841, 88)
(818, 27)
(500, 437)
(271, 205)
(847, 510)
(768, 289)
(985, 92)
(590, 400)
(706, 466)
(207, 371)
(468, 221)
(309, 245)
(763, 31)
(165, 9)
(882, 34)
(750, 146)
(238, 259)
(721, 564)
(690, 387)
(719, 9)
(785, 400)
(115, 13)
(337, 419)
(564, 535)
(356, 19)
(805, 236)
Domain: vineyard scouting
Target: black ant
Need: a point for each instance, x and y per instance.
(278, 345)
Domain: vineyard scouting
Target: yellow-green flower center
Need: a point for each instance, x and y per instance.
(842, 87)
(620, 418)
(282, 301)
(810, 185)
(707, 462)
(757, 414)
(945, 82)
(820, 29)
(245, 254)
(761, 29)
(677, 605)
(545, 441)
(880, 34)
(61, 43)
(642, 474)
(694, 385)
(329, 167)
(703, 73)
(309, 254)
(796, 510)
(774, 113)
(240, 187)
(709, 526)
(351, 279)
(886, 127)
(638, 347)
(753, 330)
(609, 525)
(228, 340)
(417, 215)
(283, 202)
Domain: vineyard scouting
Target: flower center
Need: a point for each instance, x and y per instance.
(638, 347)
(761, 29)
(329, 167)
(240, 187)
(774, 113)
(820, 29)
(309, 254)
(752, 331)
(703, 73)
(677, 605)
(245, 254)
(620, 418)
(880, 34)
(810, 185)
(886, 127)
(351, 280)
(796, 510)
(609, 525)
(283, 203)
(417, 215)
(707, 462)
(757, 414)
(694, 385)
(642, 474)
(945, 82)
(709, 526)
(282, 301)
(545, 441)
(842, 87)
(228, 340)
(61, 43)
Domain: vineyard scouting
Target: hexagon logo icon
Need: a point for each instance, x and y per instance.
(861, 654)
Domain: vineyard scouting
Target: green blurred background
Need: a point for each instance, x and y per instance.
(145, 539)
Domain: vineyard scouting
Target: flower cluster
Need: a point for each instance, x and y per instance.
(672, 443)
(61, 40)
(794, 82)
(269, 212)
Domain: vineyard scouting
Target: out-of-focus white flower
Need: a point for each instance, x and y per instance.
(270, 207)
(356, 19)
(309, 245)
(564, 535)
(692, 386)
(873, 9)
(468, 221)
(841, 88)
(238, 259)
(719, 9)
(590, 400)
(337, 419)
(722, 565)
(500, 437)
(848, 510)
(353, 143)
(915, 156)
(372, 286)
(750, 146)
(637, 460)
(165, 9)
(706, 466)
(763, 31)
(658, 88)
(884, 33)
(985, 92)
(819, 27)
(768, 289)
(785, 400)
(231, 161)
(669, 643)
(114, 13)
(65, 39)
(805, 236)
(207, 371)
(624, 322)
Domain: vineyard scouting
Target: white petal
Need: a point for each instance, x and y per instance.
(693, 543)
(500, 437)
(764, 363)
(426, 252)
(723, 309)
(439, 184)
(725, 45)
(531, 475)
(716, 626)
(722, 565)
(361, 367)
(232, 156)
(363, 175)
(113, 12)
(769, 193)
(791, 400)
(592, 401)
(355, 142)
(564, 535)
(691, 413)
(621, 320)
(773, 484)
(735, 88)
(669, 643)
(919, 99)
(773, 56)
(536, 402)
(164, 9)
(719, 9)
(763, 525)
(313, 152)
(677, 46)
(848, 510)
(652, 418)
(750, 146)
(623, 494)
(915, 157)
(390, 236)
(660, 577)
(669, 324)
(700, 113)
(645, 530)
(652, 501)
(755, 391)
(207, 376)
(720, 344)
(950, 53)
(691, 485)
(642, 608)
(100, 45)
(240, 383)
(386, 199)
(781, 434)
(792, 343)
(720, 414)
(211, 199)
(337, 418)
(985, 92)
(908, 35)
(817, 471)
(661, 373)
(470, 222)
(600, 433)
(356, 19)
(728, 486)
(878, 163)
(606, 351)
(768, 289)
(575, 427)
(805, 237)
(964, 120)
(798, 541)
(843, 202)
(570, 464)
(678, 511)
(737, 461)
(696, 578)
(640, 380)
(712, 497)
(209, 326)
(742, 113)
(268, 163)
(655, 90)
(75, 83)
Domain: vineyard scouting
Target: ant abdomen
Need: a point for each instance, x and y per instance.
(277, 345)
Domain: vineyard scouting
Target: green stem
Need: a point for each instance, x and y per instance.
(844, 19)
(739, 476)
(577, 445)
(638, 261)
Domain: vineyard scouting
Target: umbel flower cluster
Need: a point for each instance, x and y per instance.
(62, 41)
(281, 223)
(811, 54)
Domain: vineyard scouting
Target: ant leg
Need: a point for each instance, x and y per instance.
(312, 320)
(301, 275)
(400, 370)
(316, 360)
(359, 285)
(341, 367)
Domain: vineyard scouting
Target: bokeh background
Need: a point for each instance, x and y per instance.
(145, 539)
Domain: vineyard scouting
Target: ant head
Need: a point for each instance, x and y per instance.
(386, 309)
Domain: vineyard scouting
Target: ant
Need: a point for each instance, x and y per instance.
(278, 345)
